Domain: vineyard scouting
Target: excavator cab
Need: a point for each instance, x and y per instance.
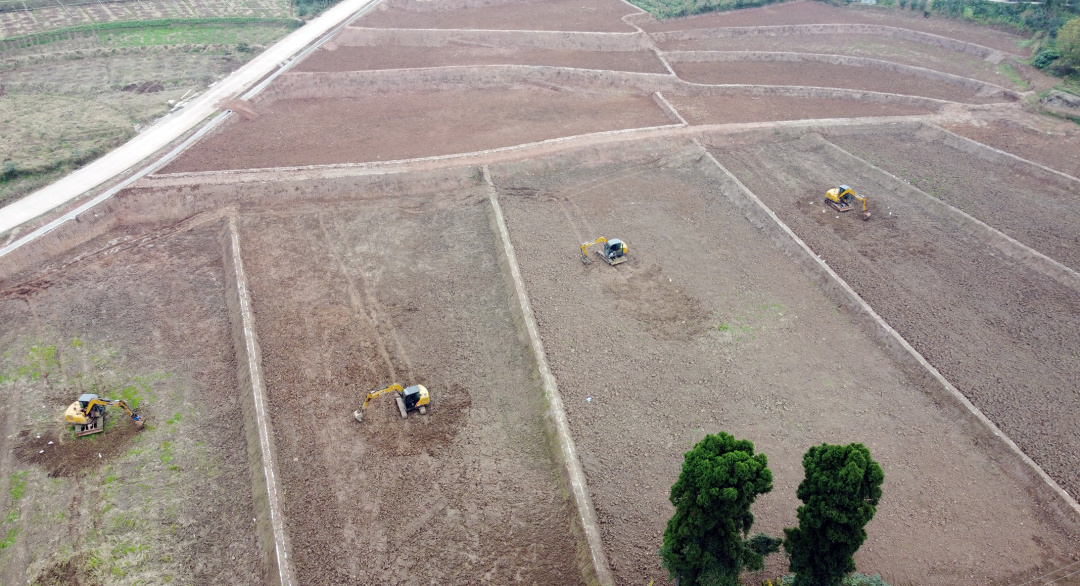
(615, 251)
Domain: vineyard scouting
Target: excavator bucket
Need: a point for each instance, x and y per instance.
(585, 259)
(866, 216)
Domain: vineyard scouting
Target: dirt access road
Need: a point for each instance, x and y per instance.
(358, 297)
(708, 328)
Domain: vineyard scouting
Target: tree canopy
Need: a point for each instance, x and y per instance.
(705, 540)
(840, 493)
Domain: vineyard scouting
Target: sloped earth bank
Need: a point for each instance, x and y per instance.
(351, 299)
(172, 502)
(391, 126)
(543, 15)
(1038, 208)
(399, 57)
(824, 75)
(747, 108)
(709, 327)
(1058, 148)
(869, 46)
(812, 12)
(1006, 336)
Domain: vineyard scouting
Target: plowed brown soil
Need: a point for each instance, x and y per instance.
(356, 298)
(1006, 336)
(811, 12)
(869, 46)
(543, 15)
(397, 57)
(382, 127)
(732, 109)
(708, 327)
(824, 75)
(1022, 201)
(1058, 149)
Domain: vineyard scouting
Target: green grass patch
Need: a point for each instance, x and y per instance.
(46, 37)
(1014, 76)
(675, 8)
(18, 486)
(166, 452)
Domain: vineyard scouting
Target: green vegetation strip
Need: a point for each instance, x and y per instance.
(62, 33)
(675, 8)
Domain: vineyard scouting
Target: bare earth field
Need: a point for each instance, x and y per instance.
(1058, 149)
(737, 108)
(869, 46)
(399, 57)
(364, 276)
(708, 328)
(1035, 207)
(384, 127)
(552, 15)
(811, 12)
(170, 503)
(359, 297)
(824, 75)
(1006, 336)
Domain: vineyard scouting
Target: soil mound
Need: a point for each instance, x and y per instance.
(64, 455)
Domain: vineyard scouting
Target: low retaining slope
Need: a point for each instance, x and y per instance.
(983, 88)
(269, 515)
(306, 85)
(835, 30)
(557, 40)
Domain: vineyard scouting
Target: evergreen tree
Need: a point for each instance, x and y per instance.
(705, 541)
(840, 494)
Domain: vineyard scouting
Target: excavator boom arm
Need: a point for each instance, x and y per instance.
(585, 246)
(373, 394)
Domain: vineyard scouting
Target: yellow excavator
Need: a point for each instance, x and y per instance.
(88, 414)
(414, 398)
(841, 199)
(614, 252)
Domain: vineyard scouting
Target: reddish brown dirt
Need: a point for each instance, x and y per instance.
(709, 327)
(869, 46)
(733, 109)
(71, 572)
(1057, 149)
(824, 75)
(543, 15)
(163, 305)
(1007, 337)
(356, 298)
(397, 57)
(812, 12)
(384, 127)
(1021, 201)
(62, 455)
